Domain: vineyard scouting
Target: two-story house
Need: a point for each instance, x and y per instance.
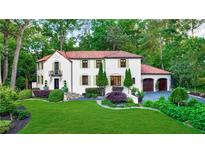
(79, 70)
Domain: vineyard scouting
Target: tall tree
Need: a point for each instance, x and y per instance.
(21, 27)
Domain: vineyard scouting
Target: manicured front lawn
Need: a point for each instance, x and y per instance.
(86, 117)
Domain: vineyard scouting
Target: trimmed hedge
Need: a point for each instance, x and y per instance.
(97, 91)
(179, 96)
(25, 94)
(4, 126)
(41, 93)
(56, 95)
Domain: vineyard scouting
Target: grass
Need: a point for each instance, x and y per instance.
(86, 117)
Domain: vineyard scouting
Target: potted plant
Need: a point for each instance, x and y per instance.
(45, 86)
(134, 90)
(140, 95)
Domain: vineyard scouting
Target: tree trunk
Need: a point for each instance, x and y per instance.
(15, 61)
(5, 60)
(26, 82)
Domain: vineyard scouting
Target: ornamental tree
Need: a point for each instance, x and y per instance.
(102, 80)
(128, 79)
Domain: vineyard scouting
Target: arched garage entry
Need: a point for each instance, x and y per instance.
(162, 84)
(148, 84)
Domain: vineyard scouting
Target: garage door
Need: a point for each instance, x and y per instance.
(148, 85)
(162, 84)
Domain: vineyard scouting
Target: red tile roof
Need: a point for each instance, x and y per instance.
(93, 55)
(147, 69)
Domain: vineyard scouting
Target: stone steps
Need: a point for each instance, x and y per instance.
(70, 96)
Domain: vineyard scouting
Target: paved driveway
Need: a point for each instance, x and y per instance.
(165, 94)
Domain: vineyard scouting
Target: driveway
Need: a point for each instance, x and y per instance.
(156, 95)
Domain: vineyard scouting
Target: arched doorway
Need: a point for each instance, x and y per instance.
(148, 84)
(162, 84)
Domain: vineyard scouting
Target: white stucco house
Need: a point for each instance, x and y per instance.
(80, 68)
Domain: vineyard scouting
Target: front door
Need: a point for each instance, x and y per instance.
(56, 83)
(115, 80)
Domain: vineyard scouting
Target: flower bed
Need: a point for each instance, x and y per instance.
(41, 93)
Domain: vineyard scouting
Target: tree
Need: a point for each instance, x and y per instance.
(102, 78)
(21, 26)
(128, 79)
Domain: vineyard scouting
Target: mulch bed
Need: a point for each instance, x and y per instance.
(16, 124)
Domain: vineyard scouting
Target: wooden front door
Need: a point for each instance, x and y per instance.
(148, 85)
(56, 83)
(162, 84)
(115, 80)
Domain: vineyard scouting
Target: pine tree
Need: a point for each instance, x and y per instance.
(100, 78)
(128, 79)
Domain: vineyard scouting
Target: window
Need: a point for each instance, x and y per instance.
(38, 79)
(84, 63)
(115, 80)
(133, 80)
(98, 62)
(41, 79)
(122, 62)
(84, 80)
(56, 68)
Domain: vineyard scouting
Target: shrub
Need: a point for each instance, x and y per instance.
(148, 103)
(90, 95)
(116, 97)
(56, 95)
(41, 93)
(129, 100)
(98, 91)
(134, 90)
(179, 96)
(65, 88)
(8, 96)
(4, 126)
(22, 114)
(192, 102)
(197, 118)
(25, 94)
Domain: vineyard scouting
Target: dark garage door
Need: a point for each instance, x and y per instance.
(162, 84)
(148, 84)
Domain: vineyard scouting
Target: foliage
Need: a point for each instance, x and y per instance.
(128, 79)
(46, 85)
(56, 95)
(65, 88)
(97, 91)
(179, 96)
(116, 97)
(140, 94)
(128, 103)
(4, 126)
(41, 93)
(25, 94)
(101, 78)
(91, 95)
(8, 96)
(129, 100)
(134, 90)
(22, 114)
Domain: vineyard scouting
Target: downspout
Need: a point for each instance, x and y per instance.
(71, 76)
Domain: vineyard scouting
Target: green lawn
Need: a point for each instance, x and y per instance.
(86, 117)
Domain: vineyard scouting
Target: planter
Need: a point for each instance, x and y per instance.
(140, 99)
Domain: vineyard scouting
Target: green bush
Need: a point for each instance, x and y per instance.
(98, 91)
(179, 96)
(192, 102)
(129, 100)
(91, 95)
(56, 95)
(22, 114)
(25, 94)
(4, 126)
(148, 103)
(8, 96)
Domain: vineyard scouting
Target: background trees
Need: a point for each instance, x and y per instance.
(168, 44)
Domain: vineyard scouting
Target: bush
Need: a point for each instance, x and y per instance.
(22, 114)
(56, 95)
(25, 94)
(197, 118)
(65, 88)
(98, 91)
(90, 95)
(117, 97)
(179, 96)
(134, 90)
(129, 100)
(8, 96)
(192, 102)
(148, 103)
(41, 93)
(4, 126)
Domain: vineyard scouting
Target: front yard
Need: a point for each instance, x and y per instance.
(86, 117)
